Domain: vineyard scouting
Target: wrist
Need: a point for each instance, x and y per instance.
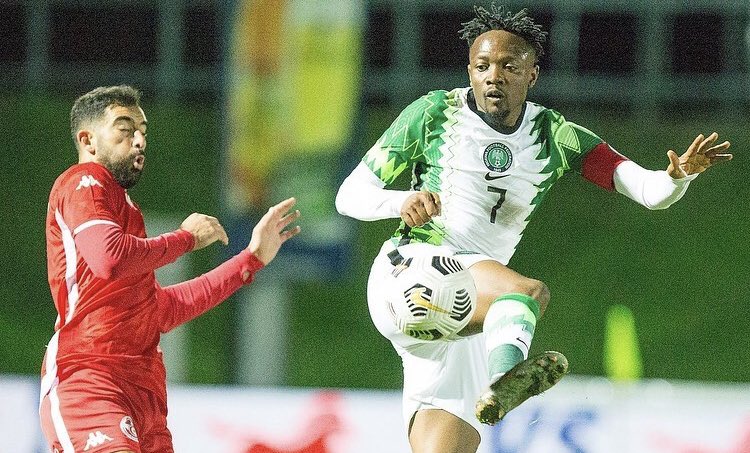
(186, 236)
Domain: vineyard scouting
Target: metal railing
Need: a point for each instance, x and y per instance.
(651, 86)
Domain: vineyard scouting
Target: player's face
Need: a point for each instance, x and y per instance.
(120, 141)
(501, 70)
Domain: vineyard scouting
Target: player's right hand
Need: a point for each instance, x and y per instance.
(420, 207)
(205, 229)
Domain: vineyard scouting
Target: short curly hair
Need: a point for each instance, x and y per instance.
(499, 18)
(93, 105)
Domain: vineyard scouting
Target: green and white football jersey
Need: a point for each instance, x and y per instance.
(490, 183)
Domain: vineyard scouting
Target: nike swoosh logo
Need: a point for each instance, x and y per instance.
(490, 177)
(417, 298)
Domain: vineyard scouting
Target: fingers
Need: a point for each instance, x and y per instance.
(287, 219)
(721, 158)
(216, 232)
(674, 169)
(432, 204)
(717, 152)
(222, 234)
(290, 233)
(693, 148)
(282, 208)
(702, 154)
(205, 230)
(420, 207)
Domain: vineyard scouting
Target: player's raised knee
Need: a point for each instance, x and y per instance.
(536, 289)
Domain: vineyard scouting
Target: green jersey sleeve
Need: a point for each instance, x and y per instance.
(402, 144)
(563, 141)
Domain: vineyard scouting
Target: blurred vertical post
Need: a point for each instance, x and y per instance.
(173, 343)
(293, 94)
(622, 355)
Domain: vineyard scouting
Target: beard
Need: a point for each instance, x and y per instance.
(122, 170)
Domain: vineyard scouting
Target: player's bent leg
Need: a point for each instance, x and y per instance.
(509, 305)
(439, 431)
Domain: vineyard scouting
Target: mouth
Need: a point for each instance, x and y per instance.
(494, 95)
(140, 159)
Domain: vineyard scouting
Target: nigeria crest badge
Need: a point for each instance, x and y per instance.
(497, 157)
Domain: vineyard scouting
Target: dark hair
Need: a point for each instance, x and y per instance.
(498, 18)
(92, 105)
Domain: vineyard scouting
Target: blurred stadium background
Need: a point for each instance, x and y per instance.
(249, 101)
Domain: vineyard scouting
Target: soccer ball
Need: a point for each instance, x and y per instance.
(431, 297)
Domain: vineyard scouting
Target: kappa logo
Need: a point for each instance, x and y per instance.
(95, 439)
(88, 181)
(128, 428)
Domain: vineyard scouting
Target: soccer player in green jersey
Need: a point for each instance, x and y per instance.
(482, 158)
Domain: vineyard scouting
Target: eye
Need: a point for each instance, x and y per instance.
(481, 67)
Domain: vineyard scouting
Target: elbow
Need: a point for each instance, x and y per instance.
(341, 206)
(659, 206)
(103, 272)
(106, 270)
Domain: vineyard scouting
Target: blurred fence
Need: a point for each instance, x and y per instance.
(641, 55)
(581, 415)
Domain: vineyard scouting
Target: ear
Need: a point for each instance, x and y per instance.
(533, 76)
(86, 143)
(468, 70)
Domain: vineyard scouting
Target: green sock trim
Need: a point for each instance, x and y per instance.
(529, 301)
(503, 358)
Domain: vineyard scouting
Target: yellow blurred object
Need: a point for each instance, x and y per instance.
(622, 354)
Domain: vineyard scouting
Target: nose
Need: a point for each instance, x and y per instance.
(495, 75)
(139, 140)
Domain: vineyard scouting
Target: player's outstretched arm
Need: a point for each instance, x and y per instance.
(270, 233)
(700, 155)
(184, 301)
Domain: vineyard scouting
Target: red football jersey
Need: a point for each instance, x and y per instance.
(112, 324)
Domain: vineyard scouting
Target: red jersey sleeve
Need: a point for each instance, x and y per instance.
(182, 302)
(599, 165)
(112, 253)
(97, 212)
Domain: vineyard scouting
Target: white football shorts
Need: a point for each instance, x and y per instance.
(440, 374)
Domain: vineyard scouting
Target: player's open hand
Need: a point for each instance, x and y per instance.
(270, 233)
(205, 229)
(420, 207)
(700, 155)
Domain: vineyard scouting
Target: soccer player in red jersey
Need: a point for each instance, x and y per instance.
(103, 385)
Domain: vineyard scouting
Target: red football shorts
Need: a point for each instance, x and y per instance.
(90, 411)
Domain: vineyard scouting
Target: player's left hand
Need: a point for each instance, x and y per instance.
(700, 155)
(269, 233)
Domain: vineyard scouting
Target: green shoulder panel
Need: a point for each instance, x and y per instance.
(408, 137)
(564, 143)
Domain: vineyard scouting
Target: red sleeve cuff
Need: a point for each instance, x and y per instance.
(250, 265)
(186, 238)
(599, 165)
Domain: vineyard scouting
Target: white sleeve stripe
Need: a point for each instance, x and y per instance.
(91, 223)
